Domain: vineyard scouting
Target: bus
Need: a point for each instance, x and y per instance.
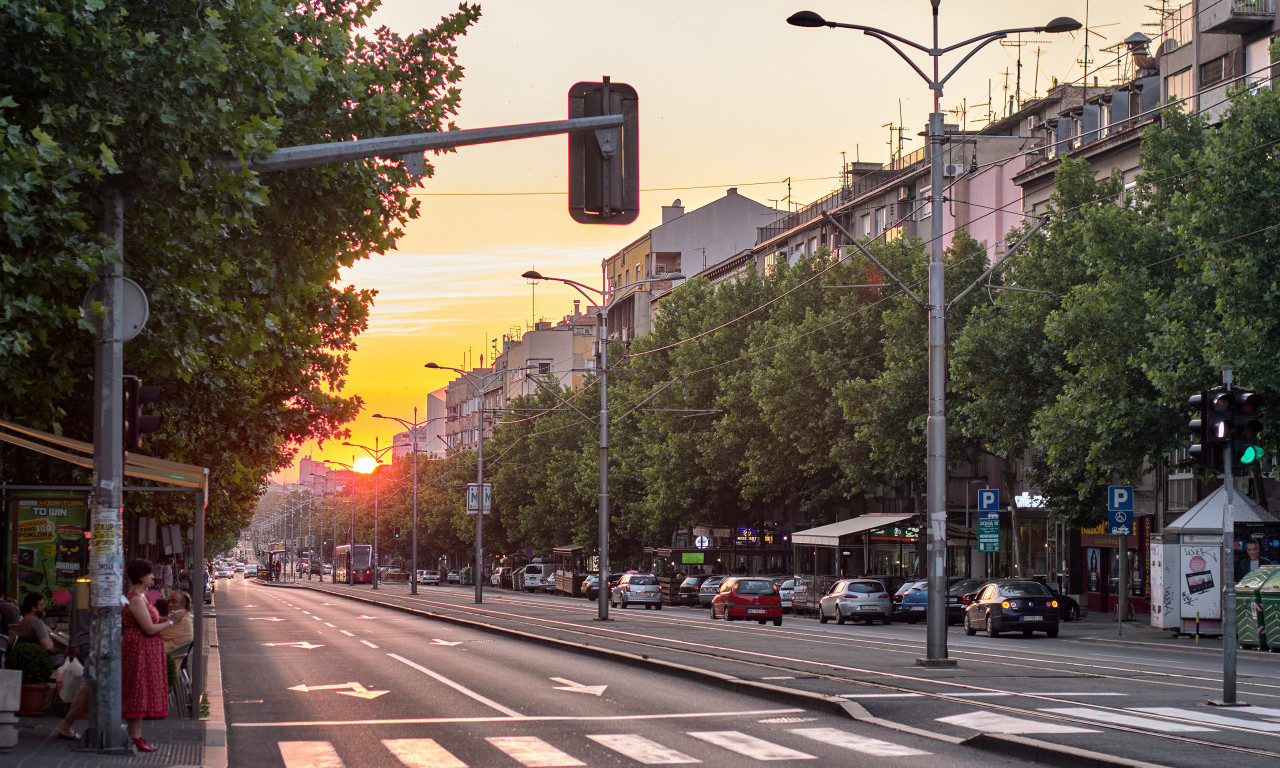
(351, 559)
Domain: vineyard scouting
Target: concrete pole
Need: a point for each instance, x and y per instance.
(479, 512)
(413, 536)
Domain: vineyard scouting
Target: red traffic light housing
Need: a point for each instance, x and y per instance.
(604, 165)
(137, 424)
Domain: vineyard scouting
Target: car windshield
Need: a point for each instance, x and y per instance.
(864, 587)
(963, 587)
(1029, 589)
(693, 581)
(755, 587)
(643, 580)
(714, 581)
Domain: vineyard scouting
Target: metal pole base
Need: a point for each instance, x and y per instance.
(936, 662)
(1214, 703)
(89, 742)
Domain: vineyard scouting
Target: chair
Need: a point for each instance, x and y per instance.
(180, 694)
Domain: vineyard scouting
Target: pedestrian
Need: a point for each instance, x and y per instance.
(144, 689)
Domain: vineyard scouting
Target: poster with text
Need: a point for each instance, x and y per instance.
(1201, 577)
(51, 547)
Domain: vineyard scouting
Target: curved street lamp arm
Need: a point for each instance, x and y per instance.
(884, 37)
(881, 34)
(991, 36)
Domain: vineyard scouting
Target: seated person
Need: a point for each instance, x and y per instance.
(181, 632)
(32, 628)
(10, 615)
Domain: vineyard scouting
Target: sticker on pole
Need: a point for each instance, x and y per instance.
(1120, 510)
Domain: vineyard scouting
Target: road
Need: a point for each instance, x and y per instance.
(1140, 704)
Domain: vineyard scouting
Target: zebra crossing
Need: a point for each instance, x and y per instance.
(1164, 720)
(535, 752)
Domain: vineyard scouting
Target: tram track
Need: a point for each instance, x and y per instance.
(647, 646)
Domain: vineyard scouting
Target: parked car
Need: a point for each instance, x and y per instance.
(497, 577)
(687, 592)
(709, 589)
(786, 590)
(538, 576)
(429, 577)
(1011, 605)
(747, 597)
(900, 593)
(637, 589)
(453, 578)
(955, 597)
(856, 600)
(802, 599)
(915, 601)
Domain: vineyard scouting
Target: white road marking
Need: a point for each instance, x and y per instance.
(532, 752)
(572, 687)
(458, 687)
(1208, 717)
(642, 750)
(265, 618)
(1147, 723)
(863, 744)
(974, 694)
(529, 718)
(303, 644)
(366, 642)
(750, 746)
(992, 722)
(310, 754)
(881, 695)
(330, 626)
(317, 618)
(307, 612)
(422, 753)
(779, 677)
(345, 632)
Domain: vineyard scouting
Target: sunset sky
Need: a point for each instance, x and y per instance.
(730, 96)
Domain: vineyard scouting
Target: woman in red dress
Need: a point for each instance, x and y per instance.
(143, 671)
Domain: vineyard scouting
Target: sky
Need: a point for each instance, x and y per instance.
(730, 95)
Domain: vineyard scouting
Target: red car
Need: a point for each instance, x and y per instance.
(747, 597)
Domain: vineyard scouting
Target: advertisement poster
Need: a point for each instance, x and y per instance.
(51, 547)
(1201, 577)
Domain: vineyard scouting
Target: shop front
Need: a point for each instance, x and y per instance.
(1102, 562)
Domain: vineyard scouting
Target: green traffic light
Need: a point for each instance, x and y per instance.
(1251, 453)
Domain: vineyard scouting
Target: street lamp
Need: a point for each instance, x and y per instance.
(365, 466)
(936, 430)
(413, 428)
(602, 319)
(351, 550)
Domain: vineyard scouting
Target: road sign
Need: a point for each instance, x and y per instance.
(989, 530)
(989, 500)
(1120, 510)
(473, 498)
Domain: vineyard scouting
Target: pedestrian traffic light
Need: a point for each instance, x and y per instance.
(136, 424)
(1246, 415)
(604, 164)
(1207, 448)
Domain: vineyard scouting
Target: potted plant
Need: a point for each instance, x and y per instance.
(36, 667)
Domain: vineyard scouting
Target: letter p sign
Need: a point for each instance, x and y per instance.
(1120, 498)
(989, 500)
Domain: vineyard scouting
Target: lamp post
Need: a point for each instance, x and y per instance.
(413, 428)
(375, 454)
(351, 551)
(936, 429)
(603, 295)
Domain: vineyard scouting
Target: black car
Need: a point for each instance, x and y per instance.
(687, 592)
(1012, 605)
(1068, 608)
(956, 590)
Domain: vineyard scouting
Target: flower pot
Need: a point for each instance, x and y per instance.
(33, 699)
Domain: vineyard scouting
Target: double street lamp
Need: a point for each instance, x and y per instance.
(605, 299)
(936, 429)
(369, 465)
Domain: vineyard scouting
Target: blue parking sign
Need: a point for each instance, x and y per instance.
(989, 500)
(1120, 510)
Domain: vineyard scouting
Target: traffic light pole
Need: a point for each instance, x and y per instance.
(1228, 572)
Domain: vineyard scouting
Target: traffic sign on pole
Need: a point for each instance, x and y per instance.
(1119, 510)
(473, 498)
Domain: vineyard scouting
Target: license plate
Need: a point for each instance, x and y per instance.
(867, 608)
(755, 610)
(1033, 618)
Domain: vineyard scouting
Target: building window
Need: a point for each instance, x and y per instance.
(1178, 85)
(1215, 71)
(879, 220)
(866, 225)
(813, 245)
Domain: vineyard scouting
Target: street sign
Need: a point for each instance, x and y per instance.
(989, 530)
(473, 498)
(989, 500)
(1120, 510)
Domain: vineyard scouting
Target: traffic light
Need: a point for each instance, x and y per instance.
(604, 165)
(1207, 425)
(396, 530)
(1246, 426)
(136, 424)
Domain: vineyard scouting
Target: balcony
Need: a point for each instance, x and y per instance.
(1237, 17)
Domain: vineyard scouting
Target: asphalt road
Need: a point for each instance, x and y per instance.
(317, 680)
(1148, 702)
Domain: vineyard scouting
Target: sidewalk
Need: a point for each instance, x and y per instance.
(180, 742)
(1103, 628)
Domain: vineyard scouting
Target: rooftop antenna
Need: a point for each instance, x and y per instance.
(1017, 79)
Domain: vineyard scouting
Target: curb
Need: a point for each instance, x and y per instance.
(215, 729)
(1014, 746)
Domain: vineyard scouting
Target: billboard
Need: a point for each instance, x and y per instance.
(51, 549)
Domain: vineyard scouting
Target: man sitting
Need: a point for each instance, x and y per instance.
(32, 628)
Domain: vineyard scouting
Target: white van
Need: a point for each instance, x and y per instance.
(538, 575)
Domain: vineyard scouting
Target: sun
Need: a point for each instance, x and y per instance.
(365, 464)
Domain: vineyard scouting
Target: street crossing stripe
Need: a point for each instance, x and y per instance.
(750, 746)
(642, 750)
(992, 722)
(533, 752)
(312, 754)
(863, 744)
(422, 753)
(1208, 717)
(1147, 723)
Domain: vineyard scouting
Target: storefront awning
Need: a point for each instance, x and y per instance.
(829, 535)
(142, 467)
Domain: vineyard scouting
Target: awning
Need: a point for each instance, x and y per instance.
(141, 467)
(829, 535)
(568, 549)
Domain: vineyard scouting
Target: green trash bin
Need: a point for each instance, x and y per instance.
(1270, 614)
(1249, 616)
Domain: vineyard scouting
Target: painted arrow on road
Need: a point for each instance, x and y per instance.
(302, 644)
(366, 617)
(265, 618)
(438, 641)
(357, 690)
(572, 687)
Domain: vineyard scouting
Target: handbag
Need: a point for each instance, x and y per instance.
(70, 678)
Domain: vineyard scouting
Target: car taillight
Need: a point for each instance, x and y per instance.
(1005, 604)
(965, 599)
(1053, 603)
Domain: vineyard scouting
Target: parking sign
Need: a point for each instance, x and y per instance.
(1119, 510)
(989, 500)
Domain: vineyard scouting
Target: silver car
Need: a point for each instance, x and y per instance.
(856, 599)
(709, 589)
(637, 589)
